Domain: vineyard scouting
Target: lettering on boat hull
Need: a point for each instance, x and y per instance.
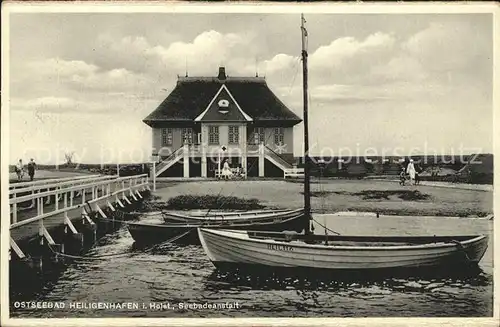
(279, 247)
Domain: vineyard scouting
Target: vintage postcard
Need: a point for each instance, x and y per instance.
(255, 164)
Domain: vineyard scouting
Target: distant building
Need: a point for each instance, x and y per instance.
(205, 120)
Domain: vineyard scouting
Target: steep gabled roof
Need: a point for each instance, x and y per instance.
(232, 111)
(192, 95)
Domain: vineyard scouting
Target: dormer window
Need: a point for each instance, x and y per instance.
(223, 106)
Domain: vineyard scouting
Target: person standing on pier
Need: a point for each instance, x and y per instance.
(402, 177)
(31, 169)
(20, 170)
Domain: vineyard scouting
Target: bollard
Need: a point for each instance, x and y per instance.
(73, 243)
(89, 234)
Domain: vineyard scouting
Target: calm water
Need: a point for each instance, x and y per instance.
(171, 275)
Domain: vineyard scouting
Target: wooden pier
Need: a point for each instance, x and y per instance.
(40, 206)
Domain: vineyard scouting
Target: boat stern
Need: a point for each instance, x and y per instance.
(477, 248)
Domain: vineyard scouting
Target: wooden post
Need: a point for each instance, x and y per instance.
(14, 210)
(262, 160)
(154, 176)
(244, 154)
(48, 197)
(307, 187)
(40, 230)
(218, 164)
(185, 160)
(203, 154)
(56, 198)
(40, 206)
(33, 202)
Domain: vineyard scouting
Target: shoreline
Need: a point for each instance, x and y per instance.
(372, 196)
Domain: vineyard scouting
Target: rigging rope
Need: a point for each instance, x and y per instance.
(210, 209)
(328, 229)
(171, 240)
(117, 255)
(100, 257)
(297, 60)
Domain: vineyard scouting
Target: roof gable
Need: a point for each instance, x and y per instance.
(223, 107)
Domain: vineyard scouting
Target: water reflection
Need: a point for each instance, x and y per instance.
(175, 273)
(231, 280)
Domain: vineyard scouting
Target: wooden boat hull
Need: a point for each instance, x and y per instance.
(146, 234)
(244, 217)
(233, 249)
(215, 213)
(187, 233)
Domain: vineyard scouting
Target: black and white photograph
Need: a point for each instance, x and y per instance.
(247, 162)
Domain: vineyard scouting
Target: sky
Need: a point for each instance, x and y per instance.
(379, 84)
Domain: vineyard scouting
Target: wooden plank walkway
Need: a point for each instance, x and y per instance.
(97, 194)
(31, 230)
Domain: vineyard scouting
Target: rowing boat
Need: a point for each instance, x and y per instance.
(232, 249)
(234, 217)
(185, 233)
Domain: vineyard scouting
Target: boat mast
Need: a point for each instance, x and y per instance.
(307, 182)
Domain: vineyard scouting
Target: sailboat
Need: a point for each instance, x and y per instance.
(244, 250)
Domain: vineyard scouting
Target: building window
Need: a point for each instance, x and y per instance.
(262, 138)
(166, 136)
(279, 136)
(213, 134)
(187, 136)
(234, 135)
(258, 135)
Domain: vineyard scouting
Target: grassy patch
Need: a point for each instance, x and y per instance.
(319, 194)
(405, 195)
(192, 202)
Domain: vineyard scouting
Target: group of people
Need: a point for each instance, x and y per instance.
(412, 173)
(20, 169)
(227, 172)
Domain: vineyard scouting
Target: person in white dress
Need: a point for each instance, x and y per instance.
(226, 170)
(411, 171)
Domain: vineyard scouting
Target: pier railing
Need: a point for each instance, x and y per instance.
(48, 181)
(41, 187)
(86, 194)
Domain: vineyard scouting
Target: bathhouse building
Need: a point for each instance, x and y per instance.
(207, 120)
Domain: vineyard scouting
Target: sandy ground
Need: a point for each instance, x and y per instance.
(283, 194)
